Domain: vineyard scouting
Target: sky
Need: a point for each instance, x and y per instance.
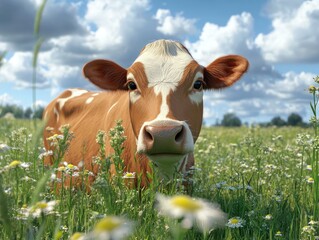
(280, 38)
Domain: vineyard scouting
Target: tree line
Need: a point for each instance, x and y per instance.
(16, 111)
(294, 119)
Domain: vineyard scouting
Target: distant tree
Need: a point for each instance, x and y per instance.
(231, 120)
(294, 119)
(28, 113)
(278, 121)
(39, 112)
(16, 110)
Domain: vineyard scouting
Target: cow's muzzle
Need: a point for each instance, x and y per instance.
(165, 137)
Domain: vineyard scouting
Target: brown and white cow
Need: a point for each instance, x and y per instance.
(159, 98)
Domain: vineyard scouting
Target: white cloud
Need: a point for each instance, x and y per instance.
(295, 33)
(174, 25)
(215, 40)
(115, 24)
(7, 99)
(18, 69)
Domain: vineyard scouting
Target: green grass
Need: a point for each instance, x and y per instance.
(249, 172)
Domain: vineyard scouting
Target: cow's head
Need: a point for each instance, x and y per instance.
(165, 86)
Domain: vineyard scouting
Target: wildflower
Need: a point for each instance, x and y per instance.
(4, 147)
(197, 212)
(235, 222)
(308, 229)
(111, 227)
(309, 167)
(129, 175)
(28, 179)
(312, 89)
(312, 222)
(278, 234)
(39, 208)
(268, 217)
(49, 129)
(77, 236)
(14, 164)
(310, 180)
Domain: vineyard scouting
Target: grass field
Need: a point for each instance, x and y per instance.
(264, 179)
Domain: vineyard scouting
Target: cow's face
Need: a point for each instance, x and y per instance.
(165, 86)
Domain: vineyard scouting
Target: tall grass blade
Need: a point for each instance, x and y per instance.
(38, 17)
(4, 213)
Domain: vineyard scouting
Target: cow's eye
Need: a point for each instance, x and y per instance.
(131, 86)
(198, 85)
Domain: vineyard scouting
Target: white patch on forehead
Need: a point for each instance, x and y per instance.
(95, 94)
(89, 100)
(74, 93)
(164, 64)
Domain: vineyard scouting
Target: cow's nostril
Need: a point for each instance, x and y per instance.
(180, 134)
(147, 135)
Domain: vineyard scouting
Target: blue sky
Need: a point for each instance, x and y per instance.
(279, 38)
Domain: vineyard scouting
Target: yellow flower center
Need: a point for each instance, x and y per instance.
(129, 174)
(70, 166)
(14, 163)
(107, 224)
(186, 203)
(311, 179)
(76, 236)
(41, 205)
(234, 221)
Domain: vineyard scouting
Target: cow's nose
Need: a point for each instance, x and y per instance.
(164, 139)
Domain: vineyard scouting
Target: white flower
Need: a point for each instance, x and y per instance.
(268, 217)
(204, 215)
(278, 234)
(4, 147)
(235, 222)
(129, 175)
(110, 227)
(39, 208)
(310, 180)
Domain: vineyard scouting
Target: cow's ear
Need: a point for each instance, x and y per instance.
(224, 71)
(105, 74)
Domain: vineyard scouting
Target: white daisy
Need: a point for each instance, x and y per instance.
(203, 214)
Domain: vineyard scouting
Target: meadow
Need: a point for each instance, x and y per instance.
(264, 179)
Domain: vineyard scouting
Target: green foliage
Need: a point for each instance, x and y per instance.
(294, 119)
(278, 121)
(250, 172)
(19, 112)
(231, 120)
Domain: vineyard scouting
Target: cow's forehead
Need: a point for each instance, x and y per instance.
(164, 63)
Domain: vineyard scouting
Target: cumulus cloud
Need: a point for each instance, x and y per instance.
(174, 25)
(19, 71)
(7, 99)
(263, 91)
(295, 34)
(17, 21)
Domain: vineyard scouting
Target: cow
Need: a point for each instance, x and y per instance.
(159, 99)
